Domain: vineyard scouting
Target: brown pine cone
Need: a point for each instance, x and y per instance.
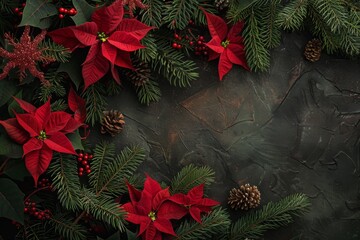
(113, 122)
(140, 75)
(221, 4)
(244, 197)
(313, 50)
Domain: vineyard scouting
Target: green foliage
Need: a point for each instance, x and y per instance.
(174, 66)
(35, 231)
(152, 15)
(64, 226)
(149, 53)
(9, 148)
(55, 88)
(293, 15)
(110, 171)
(271, 216)
(84, 11)
(59, 105)
(95, 103)
(178, 13)
(65, 180)
(11, 201)
(191, 176)
(149, 92)
(7, 6)
(37, 13)
(58, 52)
(214, 226)
(8, 88)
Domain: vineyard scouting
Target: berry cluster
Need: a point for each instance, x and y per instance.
(192, 42)
(44, 183)
(19, 10)
(64, 11)
(84, 163)
(30, 208)
(199, 47)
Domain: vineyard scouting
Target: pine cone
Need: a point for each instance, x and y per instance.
(140, 75)
(313, 50)
(112, 122)
(244, 197)
(221, 4)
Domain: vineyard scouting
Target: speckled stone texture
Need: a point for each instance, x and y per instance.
(292, 129)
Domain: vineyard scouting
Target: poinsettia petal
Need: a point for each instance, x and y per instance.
(32, 145)
(171, 210)
(195, 214)
(28, 122)
(109, 51)
(234, 32)
(66, 37)
(144, 206)
(236, 55)
(108, 18)
(215, 45)
(60, 143)
(150, 232)
(124, 41)
(38, 161)
(123, 59)
(71, 126)
(133, 193)
(216, 25)
(164, 225)
(86, 33)
(207, 202)
(42, 114)
(151, 186)
(77, 105)
(56, 122)
(115, 74)
(179, 198)
(128, 207)
(145, 224)
(196, 192)
(94, 67)
(213, 55)
(134, 27)
(15, 131)
(27, 107)
(224, 65)
(159, 198)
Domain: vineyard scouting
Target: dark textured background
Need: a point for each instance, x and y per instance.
(292, 129)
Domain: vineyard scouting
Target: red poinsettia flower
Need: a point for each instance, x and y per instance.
(77, 105)
(226, 45)
(151, 209)
(194, 202)
(41, 132)
(110, 37)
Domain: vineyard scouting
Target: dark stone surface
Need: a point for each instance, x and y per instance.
(293, 129)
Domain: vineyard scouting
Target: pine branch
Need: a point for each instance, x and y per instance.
(240, 10)
(95, 103)
(56, 87)
(191, 176)
(64, 226)
(332, 12)
(271, 216)
(149, 92)
(214, 226)
(152, 16)
(149, 53)
(257, 56)
(116, 172)
(35, 231)
(59, 105)
(7, 6)
(178, 13)
(58, 52)
(269, 30)
(65, 180)
(293, 15)
(104, 209)
(199, 16)
(173, 65)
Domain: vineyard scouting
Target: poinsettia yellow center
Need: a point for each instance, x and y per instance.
(42, 135)
(152, 216)
(225, 43)
(102, 36)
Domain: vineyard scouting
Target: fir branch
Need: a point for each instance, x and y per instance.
(104, 209)
(148, 53)
(59, 105)
(64, 226)
(149, 92)
(293, 15)
(7, 6)
(56, 51)
(122, 167)
(178, 13)
(198, 15)
(95, 103)
(269, 30)
(55, 88)
(213, 226)
(257, 56)
(173, 65)
(271, 216)
(191, 176)
(35, 231)
(332, 12)
(152, 15)
(65, 180)
(240, 10)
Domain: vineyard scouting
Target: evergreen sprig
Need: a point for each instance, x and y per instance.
(213, 226)
(95, 97)
(174, 66)
(271, 216)
(65, 180)
(152, 15)
(56, 51)
(191, 176)
(65, 227)
(178, 13)
(149, 92)
(55, 88)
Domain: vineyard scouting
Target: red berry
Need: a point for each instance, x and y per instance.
(26, 209)
(61, 16)
(61, 10)
(86, 156)
(84, 162)
(66, 10)
(81, 154)
(20, 13)
(197, 53)
(174, 45)
(191, 43)
(179, 46)
(88, 171)
(91, 156)
(33, 204)
(187, 37)
(81, 169)
(71, 12)
(87, 167)
(176, 36)
(201, 38)
(36, 214)
(200, 42)
(23, 5)
(80, 159)
(205, 53)
(16, 10)
(80, 174)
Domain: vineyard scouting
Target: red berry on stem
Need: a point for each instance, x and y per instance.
(84, 162)
(16, 10)
(80, 174)
(20, 13)
(191, 43)
(201, 38)
(61, 16)
(23, 5)
(179, 46)
(200, 42)
(87, 167)
(174, 45)
(91, 156)
(88, 171)
(86, 156)
(81, 155)
(81, 169)
(176, 36)
(61, 10)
